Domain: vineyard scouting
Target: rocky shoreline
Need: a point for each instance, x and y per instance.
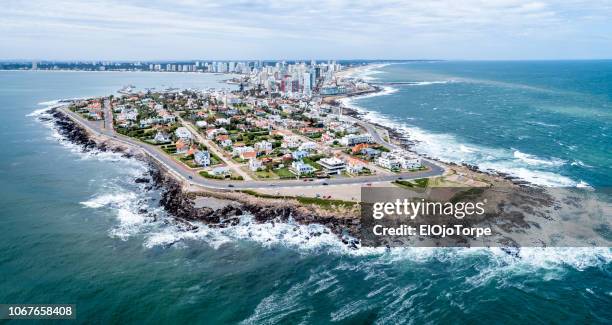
(406, 143)
(179, 201)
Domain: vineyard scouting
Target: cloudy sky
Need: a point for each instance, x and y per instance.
(289, 29)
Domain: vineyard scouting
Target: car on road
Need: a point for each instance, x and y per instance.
(190, 177)
(325, 183)
(230, 185)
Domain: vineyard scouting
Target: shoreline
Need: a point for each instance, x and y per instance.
(181, 200)
(403, 140)
(221, 207)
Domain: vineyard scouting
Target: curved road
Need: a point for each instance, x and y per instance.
(190, 176)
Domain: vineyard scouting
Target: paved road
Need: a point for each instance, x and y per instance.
(108, 115)
(213, 147)
(185, 173)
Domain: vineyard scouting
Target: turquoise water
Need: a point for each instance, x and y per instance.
(73, 230)
(547, 122)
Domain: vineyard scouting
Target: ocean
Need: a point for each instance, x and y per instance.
(75, 227)
(546, 122)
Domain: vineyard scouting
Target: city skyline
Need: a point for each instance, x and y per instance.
(237, 30)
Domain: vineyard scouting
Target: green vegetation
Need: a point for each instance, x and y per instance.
(169, 148)
(324, 203)
(421, 182)
(265, 174)
(284, 173)
(312, 161)
(206, 174)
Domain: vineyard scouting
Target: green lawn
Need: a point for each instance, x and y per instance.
(265, 174)
(421, 182)
(284, 173)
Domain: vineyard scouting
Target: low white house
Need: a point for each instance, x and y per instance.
(161, 137)
(354, 166)
(263, 146)
(354, 139)
(254, 164)
(201, 124)
(301, 168)
(222, 121)
(332, 165)
(399, 159)
(202, 158)
(212, 133)
(183, 133)
(237, 151)
(291, 142)
(221, 170)
(308, 146)
(225, 143)
(388, 161)
(299, 154)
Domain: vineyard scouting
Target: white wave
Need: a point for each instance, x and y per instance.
(49, 103)
(448, 148)
(109, 199)
(580, 163)
(583, 184)
(427, 83)
(48, 106)
(38, 112)
(127, 205)
(533, 160)
(366, 72)
(350, 101)
(544, 124)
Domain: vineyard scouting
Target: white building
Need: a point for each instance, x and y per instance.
(202, 158)
(332, 165)
(226, 143)
(308, 146)
(183, 133)
(254, 164)
(212, 133)
(263, 146)
(399, 159)
(201, 124)
(291, 142)
(222, 121)
(161, 137)
(301, 168)
(354, 166)
(237, 151)
(354, 139)
(389, 161)
(221, 170)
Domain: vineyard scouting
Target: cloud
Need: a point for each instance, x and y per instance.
(290, 28)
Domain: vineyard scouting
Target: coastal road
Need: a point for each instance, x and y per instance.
(190, 176)
(378, 139)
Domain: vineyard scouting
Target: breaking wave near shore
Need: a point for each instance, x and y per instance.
(448, 148)
(133, 201)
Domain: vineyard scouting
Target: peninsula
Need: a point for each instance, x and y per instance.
(281, 144)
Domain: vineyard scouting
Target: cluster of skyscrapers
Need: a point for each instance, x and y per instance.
(295, 79)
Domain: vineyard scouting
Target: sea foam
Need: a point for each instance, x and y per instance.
(449, 148)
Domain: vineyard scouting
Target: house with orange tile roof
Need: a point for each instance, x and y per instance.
(181, 146)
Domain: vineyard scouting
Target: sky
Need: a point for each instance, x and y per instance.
(309, 29)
